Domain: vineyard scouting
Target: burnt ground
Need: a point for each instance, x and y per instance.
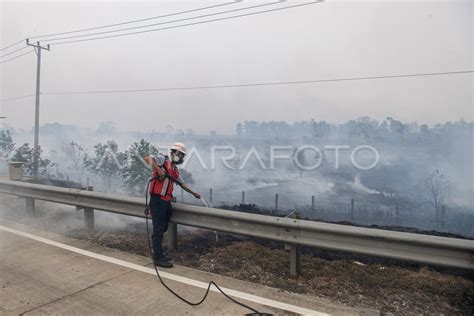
(388, 285)
(391, 286)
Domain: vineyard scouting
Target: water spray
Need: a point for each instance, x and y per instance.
(216, 233)
(204, 202)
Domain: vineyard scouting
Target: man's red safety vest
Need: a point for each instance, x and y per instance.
(164, 188)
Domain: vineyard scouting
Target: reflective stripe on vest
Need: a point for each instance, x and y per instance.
(164, 188)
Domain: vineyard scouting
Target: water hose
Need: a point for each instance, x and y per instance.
(254, 311)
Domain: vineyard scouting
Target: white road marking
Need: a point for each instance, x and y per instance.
(174, 277)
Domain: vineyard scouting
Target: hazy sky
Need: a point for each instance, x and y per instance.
(334, 39)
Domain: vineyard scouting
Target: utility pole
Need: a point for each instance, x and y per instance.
(38, 49)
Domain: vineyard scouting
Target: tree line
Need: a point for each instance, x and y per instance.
(362, 128)
(113, 168)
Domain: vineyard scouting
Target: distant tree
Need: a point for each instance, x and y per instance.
(27, 155)
(397, 127)
(320, 130)
(106, 164)
(6, 144)
(106, 128)
(135, 173)
(251, 128)
(364, 127)
(77, 155)
(302, 129)
(239, 129)
(424, 133)
(437, 189)
(299, 159)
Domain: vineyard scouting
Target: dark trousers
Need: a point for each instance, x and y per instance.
(160, 216)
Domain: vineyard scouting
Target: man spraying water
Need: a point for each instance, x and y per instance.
(165, 174)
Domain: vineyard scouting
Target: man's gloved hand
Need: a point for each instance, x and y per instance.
(197, 195)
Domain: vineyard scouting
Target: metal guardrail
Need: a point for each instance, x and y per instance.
(441, 251)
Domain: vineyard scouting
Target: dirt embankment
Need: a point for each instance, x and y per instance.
(359, 281)
(388, 285)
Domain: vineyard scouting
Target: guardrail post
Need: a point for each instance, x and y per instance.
(210, 196)
(294, 260)
(397, 218)
(312, 204)
(30, 206)
(89, 218)
(352, 210)
(243, 197)
(294, 252)
(443, 210)
(171, 236)
(276, 202)
(89, 215)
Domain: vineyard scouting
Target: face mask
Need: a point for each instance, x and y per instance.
(176, 159)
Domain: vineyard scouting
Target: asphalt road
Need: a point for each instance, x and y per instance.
(44, 273)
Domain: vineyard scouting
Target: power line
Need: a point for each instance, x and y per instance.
(17, 98)
(5, 61)
(140, 20)
(190, 24)
(16, 50)
(166, 22)
(11, 45)
(263, 84)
